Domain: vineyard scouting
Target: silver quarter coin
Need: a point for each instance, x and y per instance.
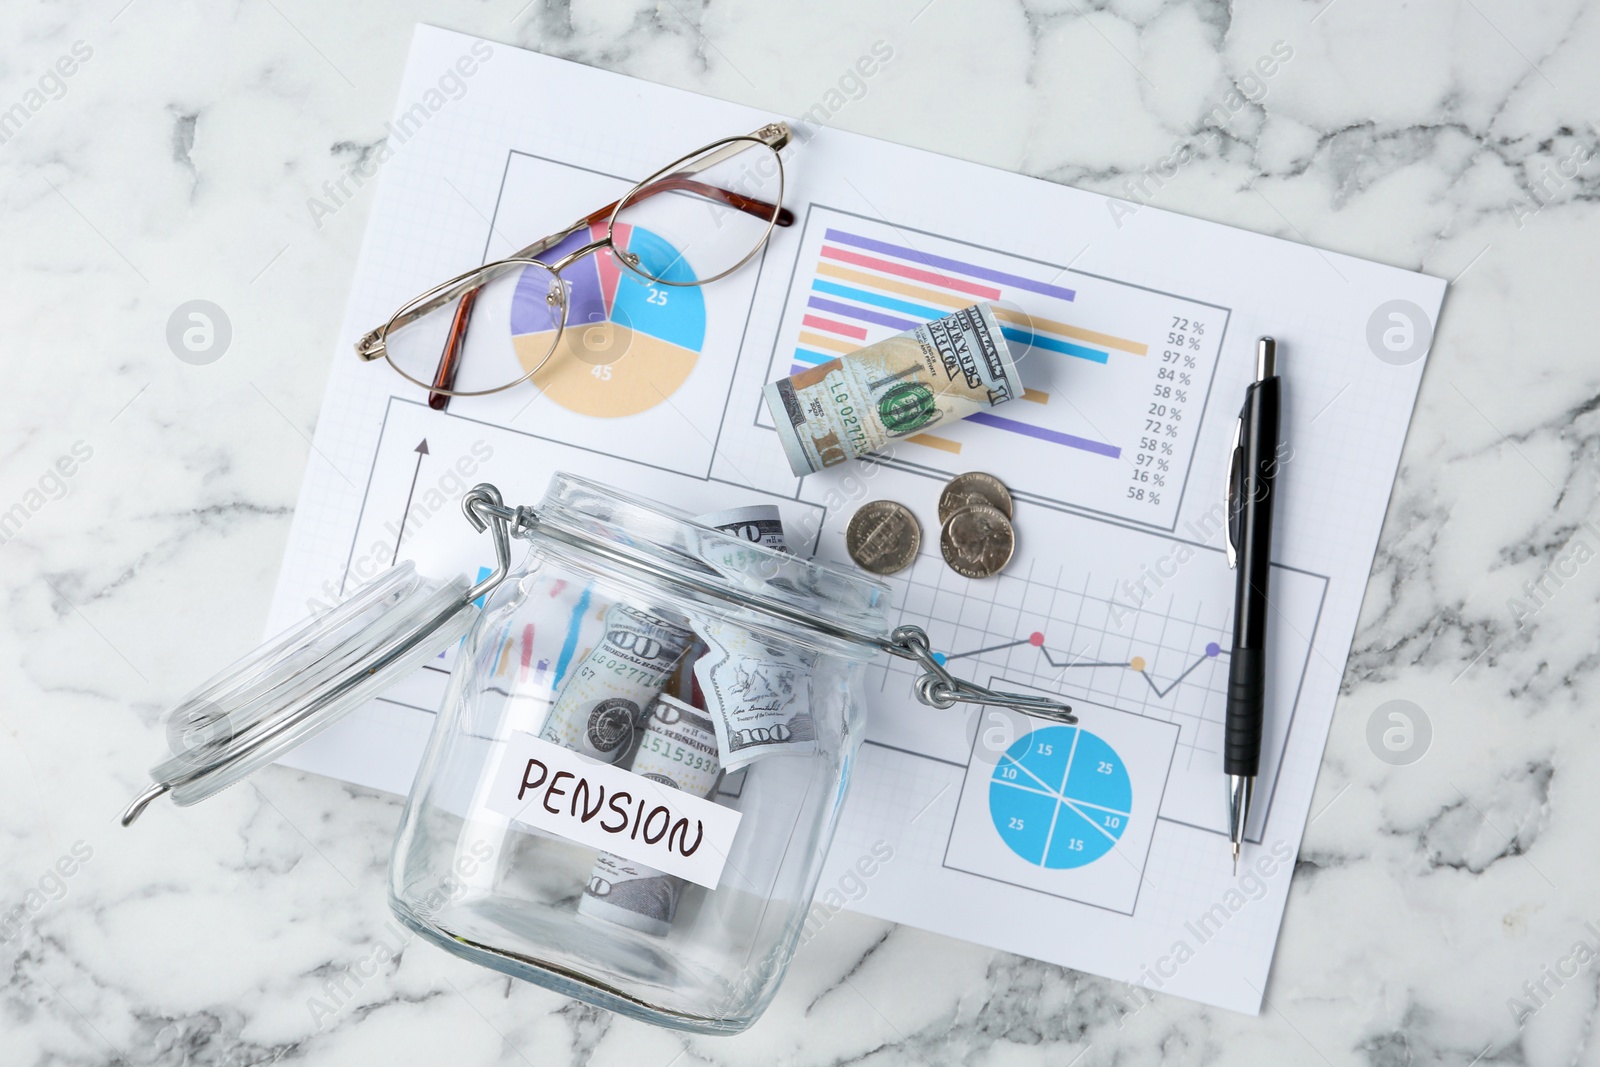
(977, 541)
(971, 489)
(883, 537)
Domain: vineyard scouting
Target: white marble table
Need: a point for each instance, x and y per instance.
(1437, 905)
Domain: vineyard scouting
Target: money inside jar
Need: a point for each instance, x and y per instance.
(903, 385)
(678, 750)
(733, 719)
(602, 705)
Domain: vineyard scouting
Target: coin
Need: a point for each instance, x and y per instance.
(883, 537)
(977, 541)
(971, 489)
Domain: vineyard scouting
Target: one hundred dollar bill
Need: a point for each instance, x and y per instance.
(747, 559)
(759, 524)
(602, 703)
(903, 385)
(679, 750)
(757, 691)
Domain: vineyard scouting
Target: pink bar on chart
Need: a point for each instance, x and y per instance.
(889, 267)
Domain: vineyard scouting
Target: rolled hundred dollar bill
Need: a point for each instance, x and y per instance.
(679, 750)
(757, 693)
(601, 706)
(759, 524)
(847, 407)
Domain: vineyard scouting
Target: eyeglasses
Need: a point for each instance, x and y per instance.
(692, 222)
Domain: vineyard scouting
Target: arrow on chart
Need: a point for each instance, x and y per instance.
(421, 450)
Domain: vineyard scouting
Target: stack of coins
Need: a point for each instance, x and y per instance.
(976, 537)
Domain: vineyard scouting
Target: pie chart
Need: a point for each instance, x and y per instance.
(628, 344)
(1060, 797)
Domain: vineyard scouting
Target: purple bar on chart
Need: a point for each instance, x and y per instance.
(862, 314)
(970, 269)
(1099, 448)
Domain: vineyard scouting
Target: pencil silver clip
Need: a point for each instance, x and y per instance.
(1230, 505)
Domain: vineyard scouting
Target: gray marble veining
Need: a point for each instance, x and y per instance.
(1443, 911)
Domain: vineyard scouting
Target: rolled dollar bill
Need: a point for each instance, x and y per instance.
(602, 704)
(847, 407)
(679, 750)
(757, 691)
(759, 524)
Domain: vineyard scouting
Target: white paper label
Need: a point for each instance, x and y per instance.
(605, 807)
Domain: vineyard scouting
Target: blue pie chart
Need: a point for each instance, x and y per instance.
(1060, 797)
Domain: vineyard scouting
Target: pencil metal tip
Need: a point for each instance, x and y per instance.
(1236, 859)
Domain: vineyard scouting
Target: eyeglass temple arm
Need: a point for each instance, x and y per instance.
(748, 204)
(774, 135)
(450, 359)
(371, 346)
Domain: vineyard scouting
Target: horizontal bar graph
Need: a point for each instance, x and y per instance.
(900, 287)
(943, 444)
(843, 329)
(863, 314)
(1105, 375)
(1026, 321)
(1051, 344)
(832, 344)
(953, 301)
(918, 312)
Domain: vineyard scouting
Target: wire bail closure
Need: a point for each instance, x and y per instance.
(483, 507)
(937, 687)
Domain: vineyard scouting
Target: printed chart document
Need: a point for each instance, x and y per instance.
(1100, 847)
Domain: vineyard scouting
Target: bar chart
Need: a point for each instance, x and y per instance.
(1115, 376)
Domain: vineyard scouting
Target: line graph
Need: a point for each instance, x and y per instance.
(1069, 660)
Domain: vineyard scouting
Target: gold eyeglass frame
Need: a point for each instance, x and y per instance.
(465, 287)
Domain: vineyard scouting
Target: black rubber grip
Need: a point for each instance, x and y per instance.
(1241, 744)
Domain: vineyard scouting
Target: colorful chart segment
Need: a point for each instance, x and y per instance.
(628, 345)
(861, 282)
(1060, 797)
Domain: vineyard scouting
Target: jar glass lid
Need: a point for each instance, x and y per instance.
(304, 681)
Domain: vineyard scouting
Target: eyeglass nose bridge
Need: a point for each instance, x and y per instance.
(589, 249)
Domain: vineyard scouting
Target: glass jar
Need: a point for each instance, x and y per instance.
(630, 790)
(537, 905)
